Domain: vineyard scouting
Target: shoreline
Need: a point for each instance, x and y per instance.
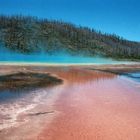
(85, 94)
(29, 67)
(94, 103)
(65, 64)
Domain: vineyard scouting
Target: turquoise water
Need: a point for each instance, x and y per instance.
(10, 56)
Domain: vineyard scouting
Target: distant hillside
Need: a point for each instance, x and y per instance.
(29, 34)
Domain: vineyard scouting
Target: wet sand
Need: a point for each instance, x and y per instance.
(90, 105)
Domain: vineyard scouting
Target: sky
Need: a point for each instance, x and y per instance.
(121, 17)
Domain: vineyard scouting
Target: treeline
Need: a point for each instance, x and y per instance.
(30, 34)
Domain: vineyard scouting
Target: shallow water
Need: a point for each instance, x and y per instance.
(13, 104)
(95, 105)
(91, 105)
(135, 76)
(6, 96)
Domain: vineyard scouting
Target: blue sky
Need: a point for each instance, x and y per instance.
(121, 17)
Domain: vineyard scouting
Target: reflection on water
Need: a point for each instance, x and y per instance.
(5, 96)
(76, 76)
(73, 76)
(11, 105)
(133, 76)
(14, 103)
(99, 100)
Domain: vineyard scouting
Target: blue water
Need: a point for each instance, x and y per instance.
(9, 56)
(134, 76)
(6, 96)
